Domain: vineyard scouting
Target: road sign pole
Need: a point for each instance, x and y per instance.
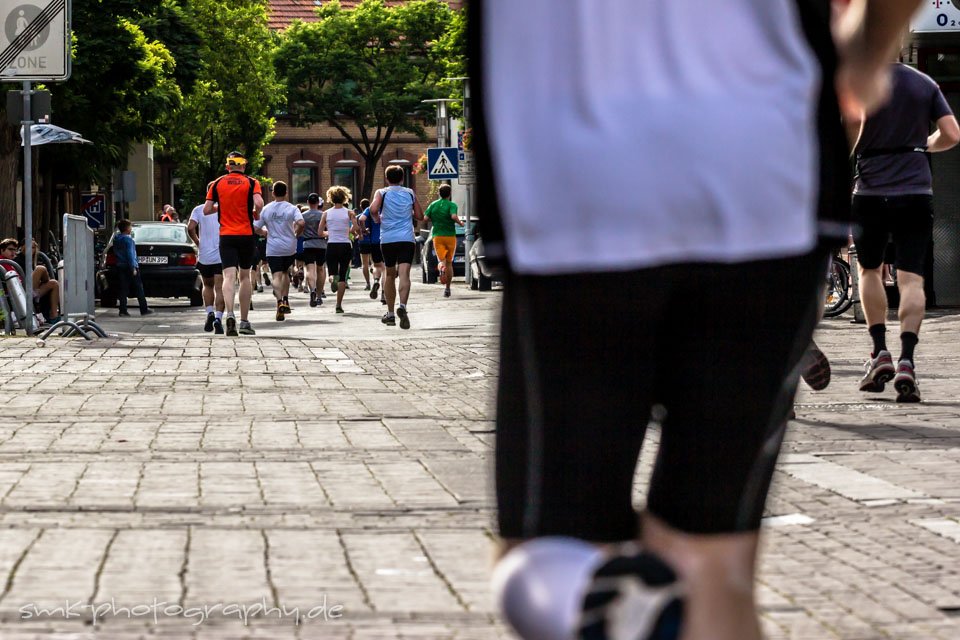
(28, 208)
(468, 240)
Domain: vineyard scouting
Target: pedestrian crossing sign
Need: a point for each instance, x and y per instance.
(442, 163)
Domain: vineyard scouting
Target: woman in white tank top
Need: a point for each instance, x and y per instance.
(338, 221)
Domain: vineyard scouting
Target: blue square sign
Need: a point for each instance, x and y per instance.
(442, 163)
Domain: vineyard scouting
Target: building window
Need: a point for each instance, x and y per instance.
(303, 182)
(345, 175)
(407, 173)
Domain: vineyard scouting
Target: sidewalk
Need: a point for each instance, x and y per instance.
(331, 461)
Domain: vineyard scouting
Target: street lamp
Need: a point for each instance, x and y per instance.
(443, 120)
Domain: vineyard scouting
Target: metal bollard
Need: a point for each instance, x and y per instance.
(858, 317)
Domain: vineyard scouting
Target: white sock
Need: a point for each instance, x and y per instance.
(210, 308)
(401, 306)
(219, 315)
(539, 586)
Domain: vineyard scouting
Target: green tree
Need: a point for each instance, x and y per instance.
(365, 71)
(121, 89)
(232, 103)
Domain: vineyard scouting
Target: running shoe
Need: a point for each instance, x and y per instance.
(333, 286)
(383, 300)
(905, 382)
(879, 370)
(231, 326)
(251, 305)
(446, 293)
(389, 319)
(815, 369)
(246, 329)
(217, 327)
(259, 288)
(313, 298)
(323, 294)
(375, 290)
(266, 280)
(285, 305)
(404, 318)
(208, 325)
(635, 595)
(339, 309)
(366, 287)
(280, 315)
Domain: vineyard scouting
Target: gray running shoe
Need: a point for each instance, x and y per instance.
(231, 326)
(246, 329)
(905, 382)
(389, 319)
(880, 371)
(375, 289)
(404, 318)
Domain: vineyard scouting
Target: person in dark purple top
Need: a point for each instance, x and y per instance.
(893, 196)
(128, 269)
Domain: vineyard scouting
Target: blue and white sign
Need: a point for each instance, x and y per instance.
(442, 163)
(93, 207)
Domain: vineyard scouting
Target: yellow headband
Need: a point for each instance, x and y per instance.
(237, 160)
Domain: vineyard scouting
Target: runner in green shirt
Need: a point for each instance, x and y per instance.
(443, 215)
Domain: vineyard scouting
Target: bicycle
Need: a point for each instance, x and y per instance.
(839, 294)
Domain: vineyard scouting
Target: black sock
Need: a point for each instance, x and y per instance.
(908, 341)
(879, 334)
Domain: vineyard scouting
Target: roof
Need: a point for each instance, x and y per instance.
(284, 12)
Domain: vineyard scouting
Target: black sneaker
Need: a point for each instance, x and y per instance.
(280, 315)
(404, 318)
(333, 286)
(905, 382)
(285, 305)
(339, 309)
(446, 293)
(383, 300)
(217, 328)
(124, 314)
(389, 319)
(375, 290)
(313, 298)
(232, 327)
(147, 312)
(266, 280)
(208, 325)
(815, 369)
(635, 595)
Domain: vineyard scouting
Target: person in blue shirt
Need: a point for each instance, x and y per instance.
(128, 269)
(370, 250)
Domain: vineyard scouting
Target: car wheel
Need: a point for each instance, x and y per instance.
(483, 283)
(196, 299)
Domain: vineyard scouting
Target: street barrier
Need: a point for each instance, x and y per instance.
(12, 297)
(78, 307)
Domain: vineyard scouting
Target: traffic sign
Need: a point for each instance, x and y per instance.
(34, 40)
(442, 163)
(465, 162)
(93, 207)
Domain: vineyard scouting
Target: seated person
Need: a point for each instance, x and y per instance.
(46, 290)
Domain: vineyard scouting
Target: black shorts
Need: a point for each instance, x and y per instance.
(238, 251)
(279, 264)
(314, 255)
(339, 255)
(376, 254)
(575, 396)
(907, 220)
(210, 270)
(395, 253)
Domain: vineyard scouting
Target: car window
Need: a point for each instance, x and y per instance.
(160, 233)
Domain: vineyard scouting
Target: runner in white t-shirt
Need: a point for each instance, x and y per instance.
(281, 223)
(205, 232)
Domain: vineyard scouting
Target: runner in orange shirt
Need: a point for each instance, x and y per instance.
(239, 201)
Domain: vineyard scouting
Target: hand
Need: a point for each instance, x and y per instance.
(863, 77)
(135, 271)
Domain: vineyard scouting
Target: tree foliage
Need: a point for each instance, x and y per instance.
(365, 71)
(232, 103)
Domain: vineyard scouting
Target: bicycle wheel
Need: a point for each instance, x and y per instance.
(838, 298)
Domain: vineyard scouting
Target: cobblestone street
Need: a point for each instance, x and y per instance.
(339, 468)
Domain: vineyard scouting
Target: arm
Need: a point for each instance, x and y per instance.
(209, 207)
(322, 227)
(298, 226)
(375, 207)
(192, 231)
(868, 36)
(456, 219)
(357, 229)
(946, 136)
(257, 204)
(417, 209)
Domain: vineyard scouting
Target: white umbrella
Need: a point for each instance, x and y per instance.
(49, 134)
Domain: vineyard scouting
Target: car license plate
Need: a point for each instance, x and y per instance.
(152, 259)
(458, 258)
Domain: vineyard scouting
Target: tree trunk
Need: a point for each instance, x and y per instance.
(9, 171)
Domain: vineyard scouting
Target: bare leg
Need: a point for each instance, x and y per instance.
(278, 278)
(365, 261)
(218, 293)
(245, 293)
(404, 274)
(312, 276)
(209, 294)
(873, 296)
(390, 287)
(230, 289)
(285, 284)
(913, 301)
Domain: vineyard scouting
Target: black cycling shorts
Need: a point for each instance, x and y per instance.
(238, 251)
(339, 255)
(280, 264)
(376, 254)
(575, 394)
(210, 270)
(314, 255)
(395, 253)
(906, 220)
